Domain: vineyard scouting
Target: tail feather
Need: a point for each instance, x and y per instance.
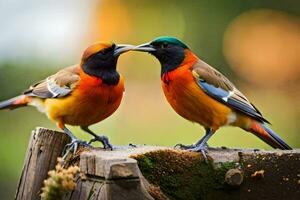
(262, 131)
(15, 102)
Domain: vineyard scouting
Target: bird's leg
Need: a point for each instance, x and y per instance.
(73, 145)
(201, 145)
(103, 139)
(187, 147)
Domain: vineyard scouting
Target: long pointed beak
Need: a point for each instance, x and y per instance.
(122, 48)
(147, 47)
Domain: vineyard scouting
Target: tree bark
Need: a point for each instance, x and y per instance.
(44, 147)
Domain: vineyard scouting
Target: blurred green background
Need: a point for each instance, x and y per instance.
(253, 42)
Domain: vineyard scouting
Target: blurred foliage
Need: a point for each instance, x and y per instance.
(144, 116)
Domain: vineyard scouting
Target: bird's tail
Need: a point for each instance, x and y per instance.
(15, 102)
(262, 131)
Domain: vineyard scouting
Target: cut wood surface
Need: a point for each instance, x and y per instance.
(152, 172)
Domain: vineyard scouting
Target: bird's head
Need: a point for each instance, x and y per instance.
(100, 60)
(103, 55)
(168, 50)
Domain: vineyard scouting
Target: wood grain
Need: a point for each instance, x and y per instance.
(44, 147)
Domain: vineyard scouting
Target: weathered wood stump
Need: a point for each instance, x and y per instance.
(44, 147)
(149, 172)
(110, 175)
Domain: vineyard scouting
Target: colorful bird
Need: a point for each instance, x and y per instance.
(79, 95)
(200, 93)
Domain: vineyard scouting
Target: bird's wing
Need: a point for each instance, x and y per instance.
(220, 88)
(58, 85)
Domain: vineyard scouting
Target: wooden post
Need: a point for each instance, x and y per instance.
(42, 152)
(161, 173)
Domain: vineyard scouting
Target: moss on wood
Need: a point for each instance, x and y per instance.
(168, 170)
(230, 174)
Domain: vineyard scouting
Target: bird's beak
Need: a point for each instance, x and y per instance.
(122, 48)
(147, 47)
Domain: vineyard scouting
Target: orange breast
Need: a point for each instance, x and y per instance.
(190, 101)
(90, 102)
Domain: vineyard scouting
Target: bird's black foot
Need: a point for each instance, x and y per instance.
(73, 146)
(202, 148)
(104, 140)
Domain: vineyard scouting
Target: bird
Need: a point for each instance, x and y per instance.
(81, 94)
(203, 95)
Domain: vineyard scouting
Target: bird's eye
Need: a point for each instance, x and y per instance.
(164, 45)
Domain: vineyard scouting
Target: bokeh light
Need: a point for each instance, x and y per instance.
(263, 47)
(116, 23)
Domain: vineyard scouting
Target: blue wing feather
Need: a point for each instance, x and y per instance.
(215, 91)
(223, 96)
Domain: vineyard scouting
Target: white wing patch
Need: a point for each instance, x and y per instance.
(57, 90)
(228, 96)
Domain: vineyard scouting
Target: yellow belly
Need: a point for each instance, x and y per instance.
(192, 103)
(85, 107)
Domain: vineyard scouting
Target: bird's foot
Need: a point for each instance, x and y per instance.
(73, 146)
(202, 148)
(104, 140)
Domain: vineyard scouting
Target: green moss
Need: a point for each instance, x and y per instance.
(145, 162)
(183, 175)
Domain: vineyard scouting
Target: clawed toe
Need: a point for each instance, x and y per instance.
(104, 140)
(199, 148)
(201, 145)
(73, 146)
(203, 149)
